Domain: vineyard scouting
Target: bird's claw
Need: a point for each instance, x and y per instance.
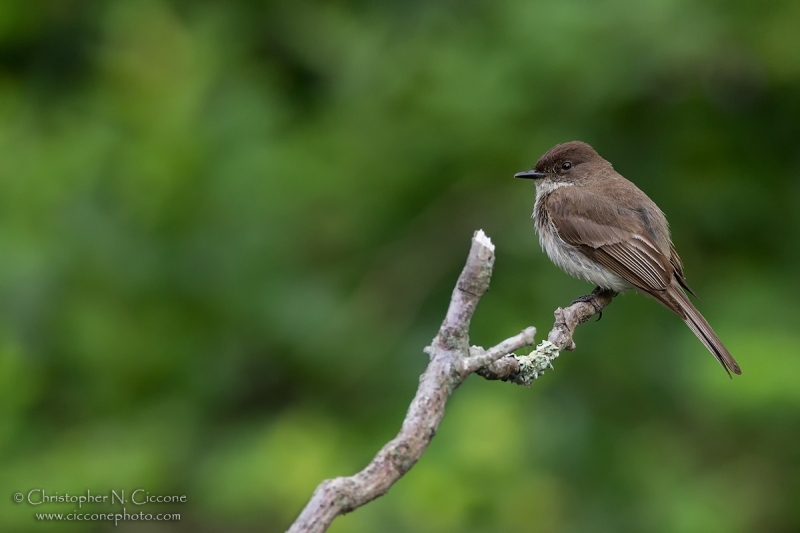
(590, 299)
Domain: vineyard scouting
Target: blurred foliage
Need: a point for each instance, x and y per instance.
(228, 229)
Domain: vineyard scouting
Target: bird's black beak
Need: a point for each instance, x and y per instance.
(530, 174)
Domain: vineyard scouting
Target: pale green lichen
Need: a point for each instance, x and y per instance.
(534, 364)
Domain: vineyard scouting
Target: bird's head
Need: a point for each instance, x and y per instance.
(564, 163)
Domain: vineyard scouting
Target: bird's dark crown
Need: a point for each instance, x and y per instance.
(574, 153)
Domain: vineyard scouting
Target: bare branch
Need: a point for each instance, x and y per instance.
(577, 313)
(481, 357)
(451, 362)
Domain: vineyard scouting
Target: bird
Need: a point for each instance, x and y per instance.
(597, 226)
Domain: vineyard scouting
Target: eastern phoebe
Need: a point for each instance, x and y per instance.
(597, 226)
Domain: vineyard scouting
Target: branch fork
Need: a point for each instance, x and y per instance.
(452, 360)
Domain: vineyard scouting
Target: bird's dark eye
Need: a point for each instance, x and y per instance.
(566, 165)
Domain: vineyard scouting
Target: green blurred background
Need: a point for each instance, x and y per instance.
(228, 229)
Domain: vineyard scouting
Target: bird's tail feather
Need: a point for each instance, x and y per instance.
(700, 326)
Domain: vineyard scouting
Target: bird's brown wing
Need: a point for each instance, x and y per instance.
(677, 264)
(629, 253)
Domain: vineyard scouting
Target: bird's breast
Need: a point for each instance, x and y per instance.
(569, 258)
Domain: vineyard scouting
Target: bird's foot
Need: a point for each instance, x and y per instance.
(590, 298)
